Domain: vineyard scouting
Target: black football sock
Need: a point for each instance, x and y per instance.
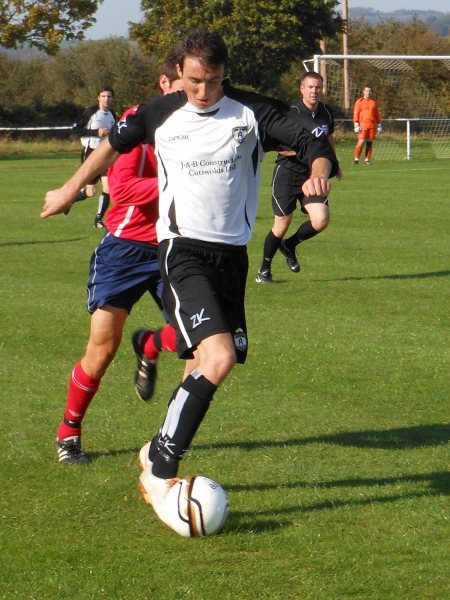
(271, 245)
(155, 445)
(305, 232)
(186, 412)
(103, 203)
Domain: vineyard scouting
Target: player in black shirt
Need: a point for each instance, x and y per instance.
(288, 176)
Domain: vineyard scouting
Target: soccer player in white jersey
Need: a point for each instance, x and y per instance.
(93, 127)
(209, 140)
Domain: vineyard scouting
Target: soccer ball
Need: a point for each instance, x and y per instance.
(196, 506)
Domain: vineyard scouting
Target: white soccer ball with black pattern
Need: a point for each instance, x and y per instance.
(196, 506)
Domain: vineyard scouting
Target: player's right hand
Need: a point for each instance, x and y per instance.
(357, 128)
(316, 186)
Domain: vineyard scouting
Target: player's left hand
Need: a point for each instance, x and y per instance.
(316, 186)
(56, 202)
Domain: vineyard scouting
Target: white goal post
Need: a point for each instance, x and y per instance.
(413, 92)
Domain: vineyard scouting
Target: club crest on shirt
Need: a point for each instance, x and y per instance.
(239, 133)
(240, 340)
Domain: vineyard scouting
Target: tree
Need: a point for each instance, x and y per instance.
(53, 90)
(79, 71)
(390, 37)
(44, 24)
(264, 37)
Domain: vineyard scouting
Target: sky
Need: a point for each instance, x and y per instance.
(112, 18)
(391, 5)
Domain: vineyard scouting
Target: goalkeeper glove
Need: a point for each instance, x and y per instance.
(357, 128)
(379, 128)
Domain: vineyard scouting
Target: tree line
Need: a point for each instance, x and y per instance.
(52, 90)
(268, 42)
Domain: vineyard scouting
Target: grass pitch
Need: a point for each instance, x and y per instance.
(332, 441)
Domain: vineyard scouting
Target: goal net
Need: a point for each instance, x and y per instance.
(413, 93)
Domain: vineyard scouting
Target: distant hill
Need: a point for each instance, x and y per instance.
(437, 21)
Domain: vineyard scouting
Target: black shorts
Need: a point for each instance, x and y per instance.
(287, 191)
(203, 292)
(84, 154)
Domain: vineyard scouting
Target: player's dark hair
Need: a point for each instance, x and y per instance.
(105, 88)
(206, 46)
(169, 68)
(312, 75)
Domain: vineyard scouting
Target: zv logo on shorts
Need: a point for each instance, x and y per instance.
(198, 319)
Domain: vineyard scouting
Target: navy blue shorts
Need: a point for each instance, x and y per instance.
(120, 273)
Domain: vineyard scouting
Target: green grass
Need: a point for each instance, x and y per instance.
(331, 442)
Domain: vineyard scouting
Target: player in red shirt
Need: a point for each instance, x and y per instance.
(367, 123)
(123, 267)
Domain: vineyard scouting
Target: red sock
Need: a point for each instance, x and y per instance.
(163, 339)
(82, 389)
(168, 339)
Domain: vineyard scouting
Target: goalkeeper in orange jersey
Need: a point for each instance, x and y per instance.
(367, 123)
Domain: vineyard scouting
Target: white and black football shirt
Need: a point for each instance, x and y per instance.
(209, 160)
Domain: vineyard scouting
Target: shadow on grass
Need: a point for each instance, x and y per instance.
(436, 483)
(254, 521)
(402, 276)
(36, 242)
(439, 483)
(419, 436)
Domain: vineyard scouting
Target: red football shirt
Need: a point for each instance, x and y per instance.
(133, 187)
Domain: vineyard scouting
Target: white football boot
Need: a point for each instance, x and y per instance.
(155, 490)
(143, 460)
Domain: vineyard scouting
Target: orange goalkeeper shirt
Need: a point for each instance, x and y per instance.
(366, 113)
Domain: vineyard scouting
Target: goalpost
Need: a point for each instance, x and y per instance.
(413, 93)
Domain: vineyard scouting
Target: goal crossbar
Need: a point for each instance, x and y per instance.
(414, 98)
(318, 57)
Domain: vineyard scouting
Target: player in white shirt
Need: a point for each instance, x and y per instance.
(209, 141)
(93, 127)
